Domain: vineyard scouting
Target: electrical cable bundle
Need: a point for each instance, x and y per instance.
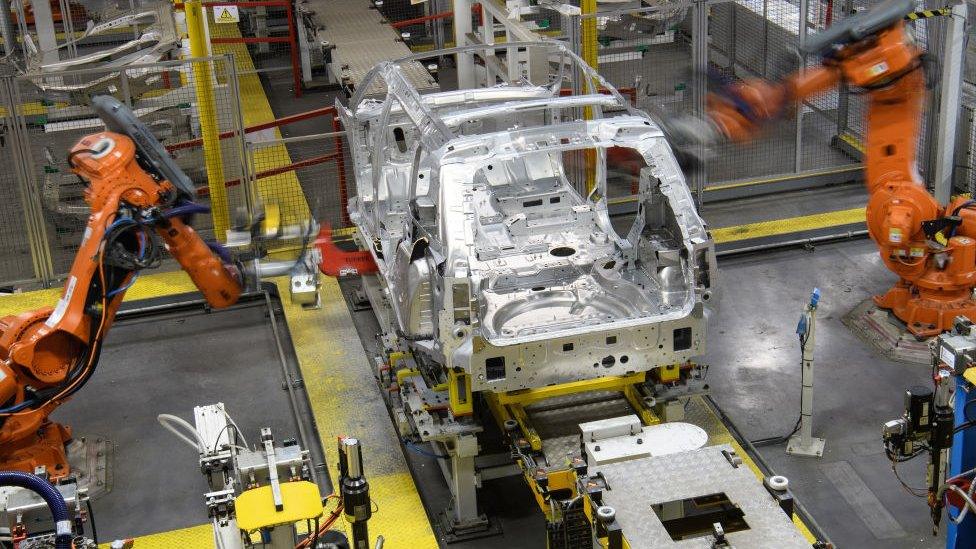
(128, 246)
(796, 427)
(320, 529)
(963, 486)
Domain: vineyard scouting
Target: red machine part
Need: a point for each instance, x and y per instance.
(952, 497)
(338, 262)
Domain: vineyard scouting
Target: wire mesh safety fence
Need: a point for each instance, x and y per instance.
(20, 248)
(965, 155)
(261, 34)
(422, 26)
(965, 160)
(46, 116)
(653, 50)
(429, 25)
(304, 176)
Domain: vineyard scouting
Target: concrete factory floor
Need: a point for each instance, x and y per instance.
(755, 378)
(168, 363)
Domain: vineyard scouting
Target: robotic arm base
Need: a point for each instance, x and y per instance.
(927, 313)
(43, 450)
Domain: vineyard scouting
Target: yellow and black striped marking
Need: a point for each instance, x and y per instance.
(926, 14)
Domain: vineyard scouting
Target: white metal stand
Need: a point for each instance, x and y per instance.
(804, 443)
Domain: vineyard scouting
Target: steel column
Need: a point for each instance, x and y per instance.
(843, 94)
(801, 39)
(68, 26)
(47, 40)
(488, 38)
(34, 225)
(296, 67)
(953, 59)
(699, 55)
(436, 6)
(465, 483)
(251, 195)
(464, 61)
(7, 29)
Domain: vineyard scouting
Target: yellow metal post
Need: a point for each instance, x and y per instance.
(588, 36)
(531, 435)
(589, 49)
(459, 392)
(636, 400)
(207, 108)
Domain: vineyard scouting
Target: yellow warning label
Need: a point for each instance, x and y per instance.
(226, 14)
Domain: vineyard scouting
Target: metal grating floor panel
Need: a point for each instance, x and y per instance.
(362, 38)
(636, 485)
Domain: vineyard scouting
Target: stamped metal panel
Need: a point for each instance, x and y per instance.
(637, 485)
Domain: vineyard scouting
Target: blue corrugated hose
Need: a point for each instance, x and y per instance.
(51, 496)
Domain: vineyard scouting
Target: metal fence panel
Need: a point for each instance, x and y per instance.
(264, 38)
(55, 114)
(744, 39)
(304, 175)
(965, 173)
(21, 258)
(423, 26)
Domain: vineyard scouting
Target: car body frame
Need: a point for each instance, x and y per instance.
(486, 211)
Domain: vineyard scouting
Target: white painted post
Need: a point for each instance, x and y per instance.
(804, 443)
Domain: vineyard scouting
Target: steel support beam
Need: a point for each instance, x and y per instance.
(464, 60)
(7, 29)
(801, 38)
(47, 40)
(699, 54)
(953, 59)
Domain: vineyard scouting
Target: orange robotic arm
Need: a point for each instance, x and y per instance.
(48, 354)
(932, 249)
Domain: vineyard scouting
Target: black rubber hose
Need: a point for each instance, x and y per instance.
(51, 496)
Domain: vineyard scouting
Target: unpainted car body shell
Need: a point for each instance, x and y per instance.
(487, 215)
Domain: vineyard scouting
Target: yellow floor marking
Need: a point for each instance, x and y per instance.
(194, 537)
(777, 179)
(148, 286)
(787, 226)
(346, 401)
(852, 141)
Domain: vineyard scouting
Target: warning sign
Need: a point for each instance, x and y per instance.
(226, 14)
